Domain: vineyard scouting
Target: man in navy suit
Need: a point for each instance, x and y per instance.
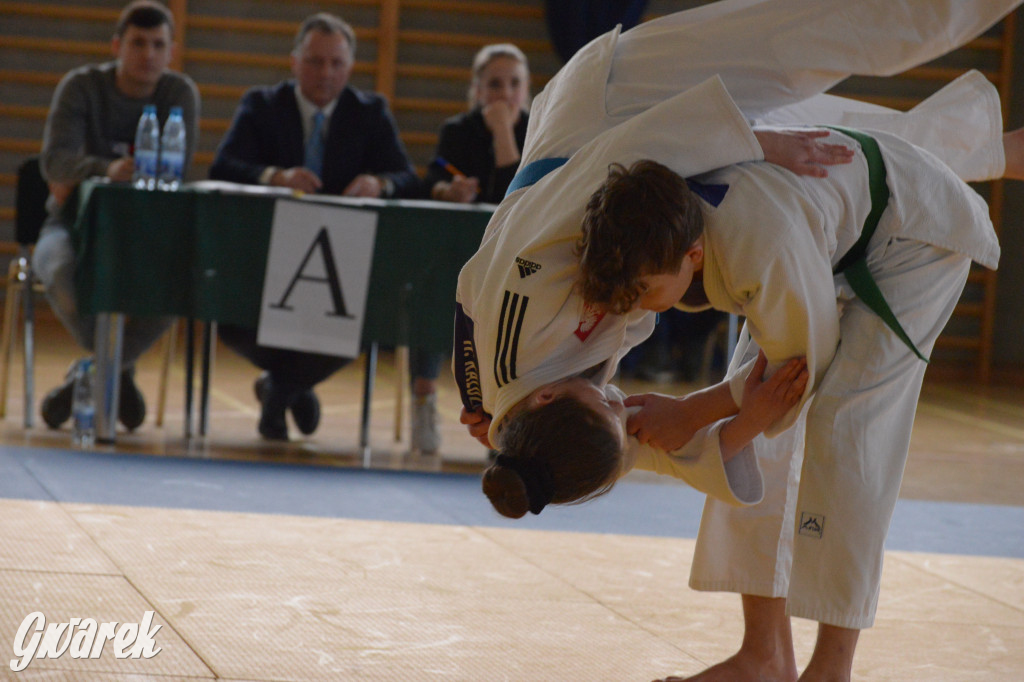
(315, 134)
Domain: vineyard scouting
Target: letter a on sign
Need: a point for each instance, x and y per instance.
(317, 278)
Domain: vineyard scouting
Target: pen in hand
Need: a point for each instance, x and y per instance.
(449, 167)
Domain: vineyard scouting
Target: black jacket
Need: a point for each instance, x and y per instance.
(466, 143)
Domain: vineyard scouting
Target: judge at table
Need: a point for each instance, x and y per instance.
(313, 134)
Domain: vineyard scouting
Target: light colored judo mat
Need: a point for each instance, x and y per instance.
(268, 597)
(385, 576)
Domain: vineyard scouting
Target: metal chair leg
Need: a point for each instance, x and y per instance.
(190, 362)
(7, 333)
(165, 371)
(108, 348)
(401, 386)
(364, 424)
(28, 294)
(209, 338)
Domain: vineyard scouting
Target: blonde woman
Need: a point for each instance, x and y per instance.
(478, 151)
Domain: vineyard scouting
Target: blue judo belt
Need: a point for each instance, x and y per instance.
(534, 171)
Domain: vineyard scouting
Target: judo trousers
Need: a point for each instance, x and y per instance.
(831, 481)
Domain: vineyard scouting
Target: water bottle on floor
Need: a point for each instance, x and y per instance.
(83, 405)
(147, 149)
(172, 152)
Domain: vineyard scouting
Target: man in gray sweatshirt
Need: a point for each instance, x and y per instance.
(90, 131)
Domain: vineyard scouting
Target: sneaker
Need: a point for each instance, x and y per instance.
(426, 436)
(56, 406)
(131, 408)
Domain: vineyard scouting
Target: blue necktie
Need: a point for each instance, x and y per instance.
(315, 146)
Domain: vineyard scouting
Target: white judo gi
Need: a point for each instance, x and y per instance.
(679, 90)
(770, 248)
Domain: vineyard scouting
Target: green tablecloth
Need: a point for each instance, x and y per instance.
(201, 253)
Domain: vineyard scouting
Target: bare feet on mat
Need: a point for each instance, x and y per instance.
(744, 668)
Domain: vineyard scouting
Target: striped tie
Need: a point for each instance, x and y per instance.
(315, 146)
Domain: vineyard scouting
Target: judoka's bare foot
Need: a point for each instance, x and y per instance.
(1013, 148)
(766, 654)
(832, 660)
(745, 667)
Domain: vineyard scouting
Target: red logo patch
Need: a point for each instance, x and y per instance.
(590, 319)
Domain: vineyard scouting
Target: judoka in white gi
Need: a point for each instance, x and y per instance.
(813, 547)
(569, 456)
(521, 327)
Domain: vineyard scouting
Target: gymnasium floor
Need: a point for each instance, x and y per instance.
(270, 563)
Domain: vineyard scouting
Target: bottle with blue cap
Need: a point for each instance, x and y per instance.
(147, 149)
(172, 151)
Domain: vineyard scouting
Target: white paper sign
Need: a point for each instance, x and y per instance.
(317, 278)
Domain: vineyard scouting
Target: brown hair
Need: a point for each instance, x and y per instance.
(143, 14)
(641, 221)
(562, 452)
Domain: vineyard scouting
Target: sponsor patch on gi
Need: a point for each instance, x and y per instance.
(526, 267)
(591, 316)
(812, 525)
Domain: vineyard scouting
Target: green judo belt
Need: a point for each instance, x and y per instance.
(854, 264)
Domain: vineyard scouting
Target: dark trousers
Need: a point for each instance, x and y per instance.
(424, 364)
(291, 371)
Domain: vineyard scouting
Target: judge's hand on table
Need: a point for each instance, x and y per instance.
(460, 190)
(121, 169)
(299, 178)
(364, 185)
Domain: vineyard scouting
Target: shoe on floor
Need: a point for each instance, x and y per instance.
(426, 436)
(56, 406)
(305, 408)
(272, 425)
(131, 407)
(259, 387)
(306, 411)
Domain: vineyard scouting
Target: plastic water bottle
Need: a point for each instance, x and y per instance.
(147, 149)
(172, 151)
(83, 405)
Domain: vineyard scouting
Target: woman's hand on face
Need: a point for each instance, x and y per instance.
(500, 116)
